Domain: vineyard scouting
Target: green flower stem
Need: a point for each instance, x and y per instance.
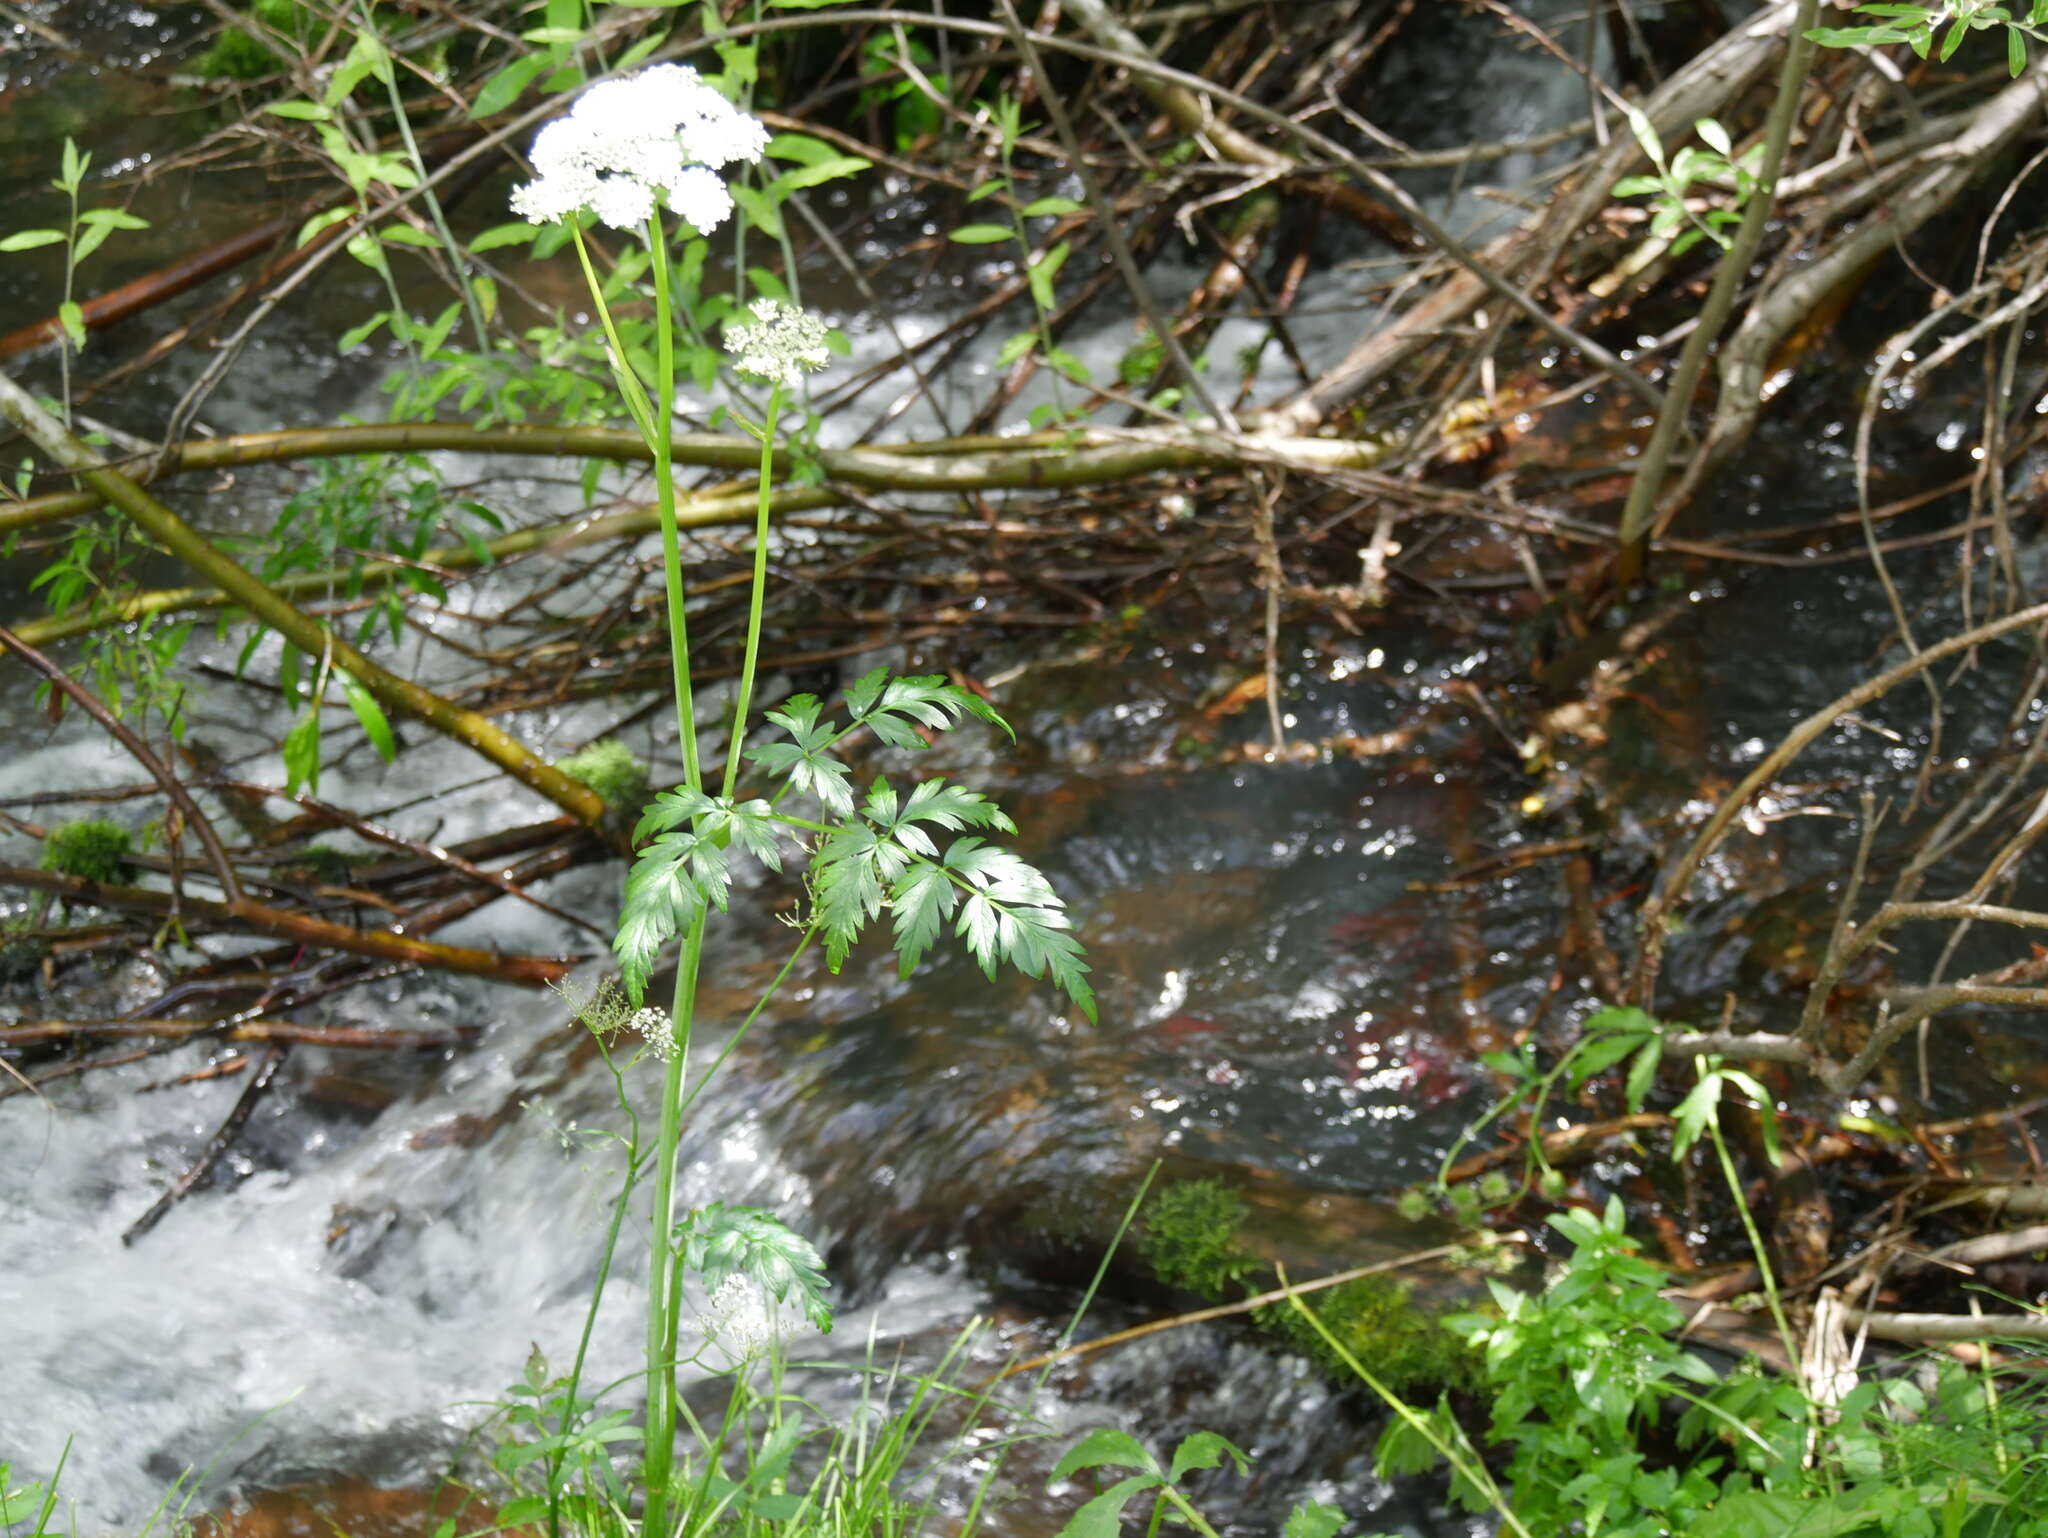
(665, 490)
(630, 389)
(764, 493)
(753, 1014)
(664, 1280)
(631, 1143)
(663, 1274)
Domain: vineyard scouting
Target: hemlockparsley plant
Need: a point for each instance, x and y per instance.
(780, 346)
(657, 1030)
(662, 136)
(628, 150)
(737, 1317)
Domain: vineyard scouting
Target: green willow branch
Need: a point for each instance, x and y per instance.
(985, 462)
(1043, 461)
(309, 635)
(1728, 280)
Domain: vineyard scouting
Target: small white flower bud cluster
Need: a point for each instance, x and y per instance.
(657, 1030)
(781, 346)
(660, 135)
(737, 1317)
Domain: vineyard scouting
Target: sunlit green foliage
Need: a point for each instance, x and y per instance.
(880, 856)
(1613, 1427)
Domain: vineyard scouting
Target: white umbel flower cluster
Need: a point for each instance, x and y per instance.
(781, 346)
(738, 1317)
(659, 136)
(657, 1030)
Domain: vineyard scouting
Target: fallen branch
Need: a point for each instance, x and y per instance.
(2023, 1201)
(1966, 1254)
(1656, 912)
(223, 1139)
(153, 288)
(1701, 89)
(1561, 1145)
(1043, 462)
(353, 1038)
(1931, 1329)
(1227, 1310)
(1729, 276)
(295, 927)
(1039, 461)
(1193, 116)
(1938, 178)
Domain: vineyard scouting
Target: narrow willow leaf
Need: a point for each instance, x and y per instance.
(376, 726)
(302, 753)
(1642, 1073)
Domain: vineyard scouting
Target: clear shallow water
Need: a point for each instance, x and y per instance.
(391, 1236)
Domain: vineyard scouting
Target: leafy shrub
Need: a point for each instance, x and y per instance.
(1584, 1374)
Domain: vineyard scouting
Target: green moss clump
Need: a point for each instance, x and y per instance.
(241, 54)
(609, 768)
(93, 850)
(1403, 1343)
(1190, 1237)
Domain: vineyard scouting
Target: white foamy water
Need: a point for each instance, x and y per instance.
(351, 1301)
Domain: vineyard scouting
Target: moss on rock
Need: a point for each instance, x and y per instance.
(241, 53)
(1192, 1239)
(92, 849)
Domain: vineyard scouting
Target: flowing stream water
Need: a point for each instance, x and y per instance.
(1282, 1001)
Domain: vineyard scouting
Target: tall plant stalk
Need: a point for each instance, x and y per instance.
(630, 149)
(653, 418)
